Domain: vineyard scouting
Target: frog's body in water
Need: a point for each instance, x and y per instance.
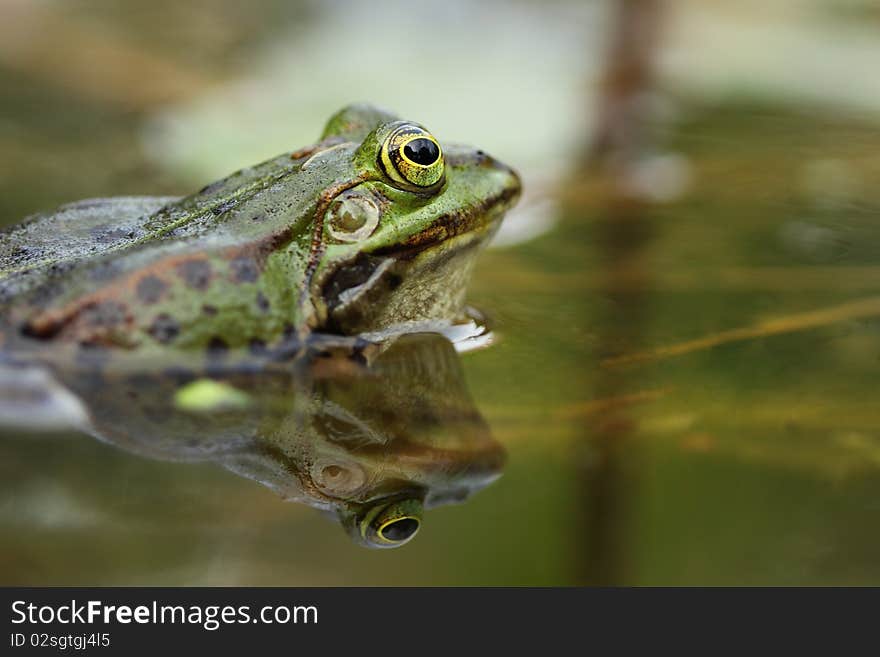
(373, 228)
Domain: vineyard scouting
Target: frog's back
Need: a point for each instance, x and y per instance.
(47, 244)
(45, 248)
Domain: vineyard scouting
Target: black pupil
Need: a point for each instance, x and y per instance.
(422, 151)
(400, 530)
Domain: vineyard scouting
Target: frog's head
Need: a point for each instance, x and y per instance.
(396, 240)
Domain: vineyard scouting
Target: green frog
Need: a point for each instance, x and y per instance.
(373, 230)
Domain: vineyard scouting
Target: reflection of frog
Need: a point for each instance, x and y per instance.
(373, 228)
(373, 444)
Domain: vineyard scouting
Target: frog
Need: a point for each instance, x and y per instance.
(373, 230)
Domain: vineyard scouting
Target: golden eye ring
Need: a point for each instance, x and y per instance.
(412, 158)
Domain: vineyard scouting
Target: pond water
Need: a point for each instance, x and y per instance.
(680, 391)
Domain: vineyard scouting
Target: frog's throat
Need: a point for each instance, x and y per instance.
(450, 237)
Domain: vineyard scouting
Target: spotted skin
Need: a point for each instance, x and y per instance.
(150, 289)
(195, 272)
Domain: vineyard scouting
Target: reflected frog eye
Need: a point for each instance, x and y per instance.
(393, 524)
(412, 158)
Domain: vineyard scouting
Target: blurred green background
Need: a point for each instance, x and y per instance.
(687, 300)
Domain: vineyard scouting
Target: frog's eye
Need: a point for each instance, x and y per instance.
(352, 218)
(412, 158)
(393, 524)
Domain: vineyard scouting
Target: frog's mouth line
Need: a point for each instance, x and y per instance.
(450, 225)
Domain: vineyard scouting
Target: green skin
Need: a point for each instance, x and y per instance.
(257, 258)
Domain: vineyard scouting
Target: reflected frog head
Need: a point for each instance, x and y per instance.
(373, 441)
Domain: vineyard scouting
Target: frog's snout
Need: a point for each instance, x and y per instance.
(514, 182)
(509, 186)
(479, 170)
(511, 182)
